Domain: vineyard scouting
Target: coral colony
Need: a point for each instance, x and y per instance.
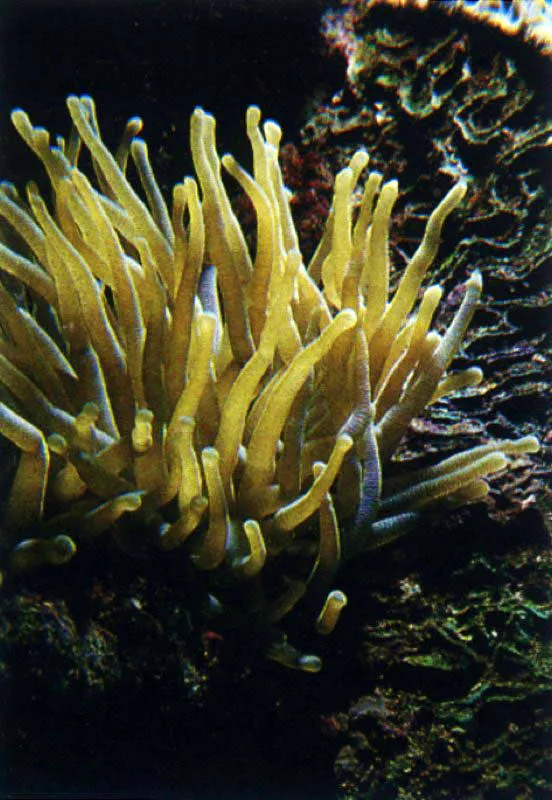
(531, 20)
(243, 406)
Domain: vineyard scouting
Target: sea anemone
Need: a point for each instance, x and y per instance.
(217, 399)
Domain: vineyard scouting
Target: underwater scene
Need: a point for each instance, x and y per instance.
(275, 392)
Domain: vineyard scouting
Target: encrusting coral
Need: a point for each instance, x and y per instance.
(221, 399)
(529, 19)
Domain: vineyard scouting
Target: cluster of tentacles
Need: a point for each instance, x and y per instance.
(237, 405)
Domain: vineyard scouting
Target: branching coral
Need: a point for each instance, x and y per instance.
(222, 398)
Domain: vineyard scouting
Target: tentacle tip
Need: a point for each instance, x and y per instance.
(475, 281)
